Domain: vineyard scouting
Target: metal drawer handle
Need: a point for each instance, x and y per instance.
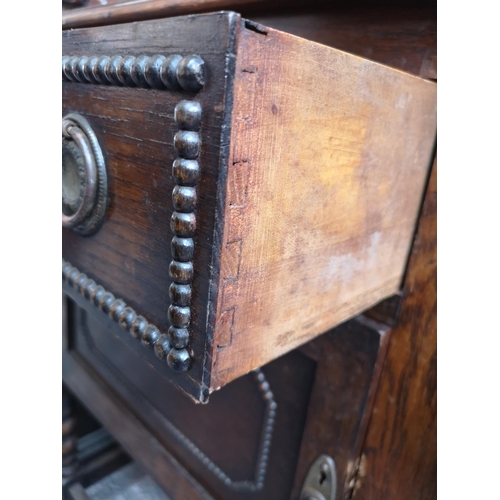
(84, 182)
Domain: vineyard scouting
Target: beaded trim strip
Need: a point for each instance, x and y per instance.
(186, 173)
(271, 408)
(264, 446)
(158, 72)
(173, 73)
(127, 318)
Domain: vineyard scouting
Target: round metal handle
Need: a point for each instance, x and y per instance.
(78, 191)
(84, 182)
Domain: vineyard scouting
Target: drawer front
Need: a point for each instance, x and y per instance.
(244, 444)
(258, 436)
(145, 132)
(259, 189)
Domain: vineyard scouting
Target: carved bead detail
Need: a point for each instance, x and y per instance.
(179, 337)
(162, 346)
(81, 281)
(111, 70)
(150, 336)
(187, 115)
(183, 224)
(124, 71)
(79, 69)
(95, 297)
(99, 71)
(159, 72)
(191, 73)
(184, 198)
(89, 289)
(65, 59)
(180, 294)
(187, 144)
(181, 272)
(106, 301)
(138, 71)
(182, 249)
(168, 72)
(152, 72)
(179, 360)
(180, 317)
(116, 308)
(138, 327)
(186, 172)
(88, 69)
(69, 68)
(127, 318)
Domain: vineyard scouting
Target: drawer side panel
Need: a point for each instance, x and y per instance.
(329, 156)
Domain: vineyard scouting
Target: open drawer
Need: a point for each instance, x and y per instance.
(231, 191)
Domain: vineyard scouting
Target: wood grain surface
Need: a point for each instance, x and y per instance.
(404, 38)
(130, 254)
(399, 455)
(400, 36)
(225, 433)
(122, 11)
(350, 358)
(329, 158)
(313, 167)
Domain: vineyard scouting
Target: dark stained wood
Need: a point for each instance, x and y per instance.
(226, 431)
(130, 255)
(277, 259)
(130, 432)
(351, 357)
(399, 454)
(140, 10)
(345, 375)
(400, 36)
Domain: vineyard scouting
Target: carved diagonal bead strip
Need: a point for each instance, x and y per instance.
(172, 72)
(124, 315)
(186, 172)
(264, 445)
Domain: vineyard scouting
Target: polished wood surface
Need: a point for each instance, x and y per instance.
(396, 458)
(131, 253)
(123, 11)
(313, 164)
(329, 158)
(399, 455)
(402, 37)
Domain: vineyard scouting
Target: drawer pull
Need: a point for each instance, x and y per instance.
(84, 181)
(158, 72)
